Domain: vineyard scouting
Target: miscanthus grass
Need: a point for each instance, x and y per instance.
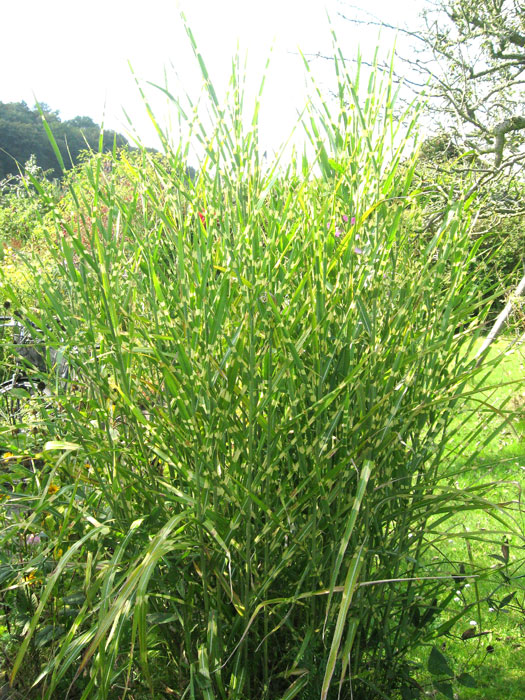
(237, 492)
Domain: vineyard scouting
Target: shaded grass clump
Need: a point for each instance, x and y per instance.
(239, 489)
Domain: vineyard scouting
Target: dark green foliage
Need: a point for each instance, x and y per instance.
(444, 172)
(22, 134)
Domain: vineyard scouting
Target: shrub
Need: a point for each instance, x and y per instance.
(21, 209)
(443, 173)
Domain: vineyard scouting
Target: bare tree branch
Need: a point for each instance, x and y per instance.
(469, 50)
(500, 322)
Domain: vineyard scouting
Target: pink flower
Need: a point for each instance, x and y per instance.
(33, 539)
(338, 232)
(352, 221)
(345, 218)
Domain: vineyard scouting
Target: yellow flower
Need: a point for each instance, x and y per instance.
(31, 578)
(52, 488)
(7, 456)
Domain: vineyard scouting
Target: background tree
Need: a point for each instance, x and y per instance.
(22, 135)
(478, 73)
(469, 56)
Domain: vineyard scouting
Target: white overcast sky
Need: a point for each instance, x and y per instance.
(74, 55)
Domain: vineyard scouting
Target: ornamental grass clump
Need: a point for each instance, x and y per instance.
(264, 372)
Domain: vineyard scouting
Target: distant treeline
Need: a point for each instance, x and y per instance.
(22, 134)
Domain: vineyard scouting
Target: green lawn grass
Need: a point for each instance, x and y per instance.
(496, 658)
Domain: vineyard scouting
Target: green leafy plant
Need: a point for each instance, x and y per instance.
(20, 207)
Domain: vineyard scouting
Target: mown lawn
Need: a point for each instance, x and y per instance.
(495, 653)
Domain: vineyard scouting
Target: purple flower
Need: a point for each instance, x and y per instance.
(352, 221)
(358, 251)
(345, 218)
(33, 540)
(338, 232)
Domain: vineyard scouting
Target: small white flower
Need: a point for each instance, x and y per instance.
(473, 623)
